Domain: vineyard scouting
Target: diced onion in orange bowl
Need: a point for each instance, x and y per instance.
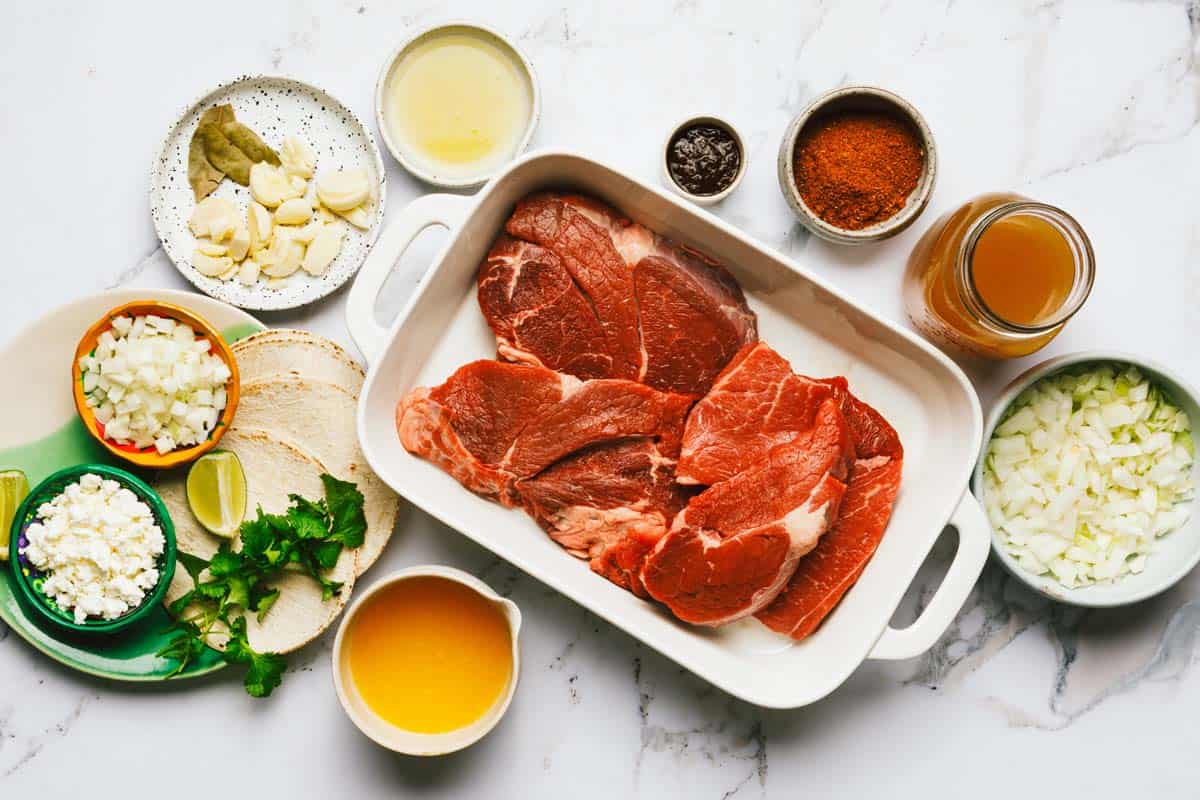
(155, 384)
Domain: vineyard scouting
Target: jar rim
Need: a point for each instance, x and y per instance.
(1072, 232)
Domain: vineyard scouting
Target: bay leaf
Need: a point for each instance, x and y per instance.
(223, 155)
(203, 177)
(248, 142)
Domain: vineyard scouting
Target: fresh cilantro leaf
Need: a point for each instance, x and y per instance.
(193, 564)
(326, 554)
(329, 588)
(212, 590)
(265, 669)
(239, 592)
(265, 602)
(224, 562)
(306, 524)
(348, 523)
(256, 534)
(311, 535)
(265, 673)
(317, 508)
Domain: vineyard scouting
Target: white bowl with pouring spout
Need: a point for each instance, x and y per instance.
(410, 742)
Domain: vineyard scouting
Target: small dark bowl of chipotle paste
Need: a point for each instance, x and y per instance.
(857, 165)
(704, 159)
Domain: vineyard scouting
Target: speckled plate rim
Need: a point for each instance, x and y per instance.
(1136, 587)
(305, 293)
(62, 435)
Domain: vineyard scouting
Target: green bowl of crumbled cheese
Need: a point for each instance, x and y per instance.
(1086, 477)
(92, 549)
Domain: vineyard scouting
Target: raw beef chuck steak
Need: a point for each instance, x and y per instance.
(538, 313)
(756, 403)
(467, 425)
(609, 503)
(828, 572)
(593, 462)
(561, 224)
(694, 319)
(734, 547)
(599, 411)
(576, 287)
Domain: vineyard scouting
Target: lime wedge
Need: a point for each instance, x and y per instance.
(13, 488)
(216, 492)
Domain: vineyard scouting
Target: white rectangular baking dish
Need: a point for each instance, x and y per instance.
(924, 394)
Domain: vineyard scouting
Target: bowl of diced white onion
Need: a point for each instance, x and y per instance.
(155, 384)
(1086, 478)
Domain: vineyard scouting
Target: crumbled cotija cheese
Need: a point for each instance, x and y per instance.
(98, 545)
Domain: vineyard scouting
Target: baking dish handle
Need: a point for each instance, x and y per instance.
(974, 543)
(432, 209)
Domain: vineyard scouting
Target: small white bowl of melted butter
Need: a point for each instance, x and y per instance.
(455, 103)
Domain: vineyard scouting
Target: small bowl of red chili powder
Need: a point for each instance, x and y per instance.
(857, 165)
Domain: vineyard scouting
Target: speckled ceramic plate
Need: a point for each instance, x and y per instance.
(40, 433)
(274, 108)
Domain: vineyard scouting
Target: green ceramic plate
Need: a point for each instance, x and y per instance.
(40, 433)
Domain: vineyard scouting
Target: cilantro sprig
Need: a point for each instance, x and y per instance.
(309, 536)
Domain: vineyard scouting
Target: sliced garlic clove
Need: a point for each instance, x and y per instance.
(298, 185)
(248, 272)
(239, 243)
(323, 250)
(214, 250)
(209, 210)
(296, 211)
(326, 216)
(231, 272)
(343, 190)
(359, 216)
(306, 234)
(259, 223)
(269, 185)
(291, 261)
(297, 158)
(211, 266)
(276, 252)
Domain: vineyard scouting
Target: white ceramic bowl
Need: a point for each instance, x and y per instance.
(406, 159)
(704, 199)
(1179, 551)
(398, 739)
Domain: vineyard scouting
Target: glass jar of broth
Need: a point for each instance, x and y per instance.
(999, 277)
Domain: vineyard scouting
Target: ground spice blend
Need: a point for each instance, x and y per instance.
(855, 169)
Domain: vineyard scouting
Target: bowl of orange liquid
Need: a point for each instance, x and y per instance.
(426, 661)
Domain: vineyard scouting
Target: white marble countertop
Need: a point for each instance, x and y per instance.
(1089, 105)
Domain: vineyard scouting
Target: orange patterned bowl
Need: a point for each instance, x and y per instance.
(149, 457)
